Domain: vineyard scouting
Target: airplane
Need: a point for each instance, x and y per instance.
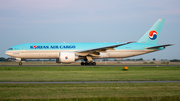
(70, 52)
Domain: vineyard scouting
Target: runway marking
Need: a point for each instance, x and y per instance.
(79, 82)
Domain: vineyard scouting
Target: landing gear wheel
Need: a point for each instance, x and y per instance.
(82, 63)
(94, 63)
(90, 63)
(86, 63)
(20, 63)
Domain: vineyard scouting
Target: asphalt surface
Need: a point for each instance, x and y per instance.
(86, 66)
(80, 82)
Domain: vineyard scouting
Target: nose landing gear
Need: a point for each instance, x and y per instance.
(20, 63)
(19, 60)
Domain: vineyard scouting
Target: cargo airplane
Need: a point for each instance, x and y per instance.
(70, 52)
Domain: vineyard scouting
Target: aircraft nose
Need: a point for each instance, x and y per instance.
(8, 53)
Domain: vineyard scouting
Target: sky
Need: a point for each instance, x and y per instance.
(48, 21)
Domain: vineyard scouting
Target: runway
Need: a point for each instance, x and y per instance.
(91, 82)
(86, 66)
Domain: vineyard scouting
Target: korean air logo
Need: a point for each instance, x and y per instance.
(66, 57)
(35, 47)
(153, 35)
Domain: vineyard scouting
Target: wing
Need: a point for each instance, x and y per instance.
(96, 51)
(154, 47)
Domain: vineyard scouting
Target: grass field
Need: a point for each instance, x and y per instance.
(119, 91)
(88, 73)
(90, 92)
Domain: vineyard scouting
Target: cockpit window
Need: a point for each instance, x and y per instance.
(10, 49)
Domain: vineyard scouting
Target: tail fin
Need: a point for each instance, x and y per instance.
(152, 35)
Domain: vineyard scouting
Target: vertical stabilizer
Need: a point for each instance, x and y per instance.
(152, 35)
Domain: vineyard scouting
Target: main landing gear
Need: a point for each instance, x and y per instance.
(88, 63)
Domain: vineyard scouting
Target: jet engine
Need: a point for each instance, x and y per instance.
(66, 57)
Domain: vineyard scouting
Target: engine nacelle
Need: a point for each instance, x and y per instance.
(67, 57)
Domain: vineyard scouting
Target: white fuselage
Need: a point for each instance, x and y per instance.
(53, 54)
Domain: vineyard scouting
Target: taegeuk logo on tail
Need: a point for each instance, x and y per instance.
(153, 35)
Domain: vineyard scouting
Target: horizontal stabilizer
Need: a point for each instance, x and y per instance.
(159, 46)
